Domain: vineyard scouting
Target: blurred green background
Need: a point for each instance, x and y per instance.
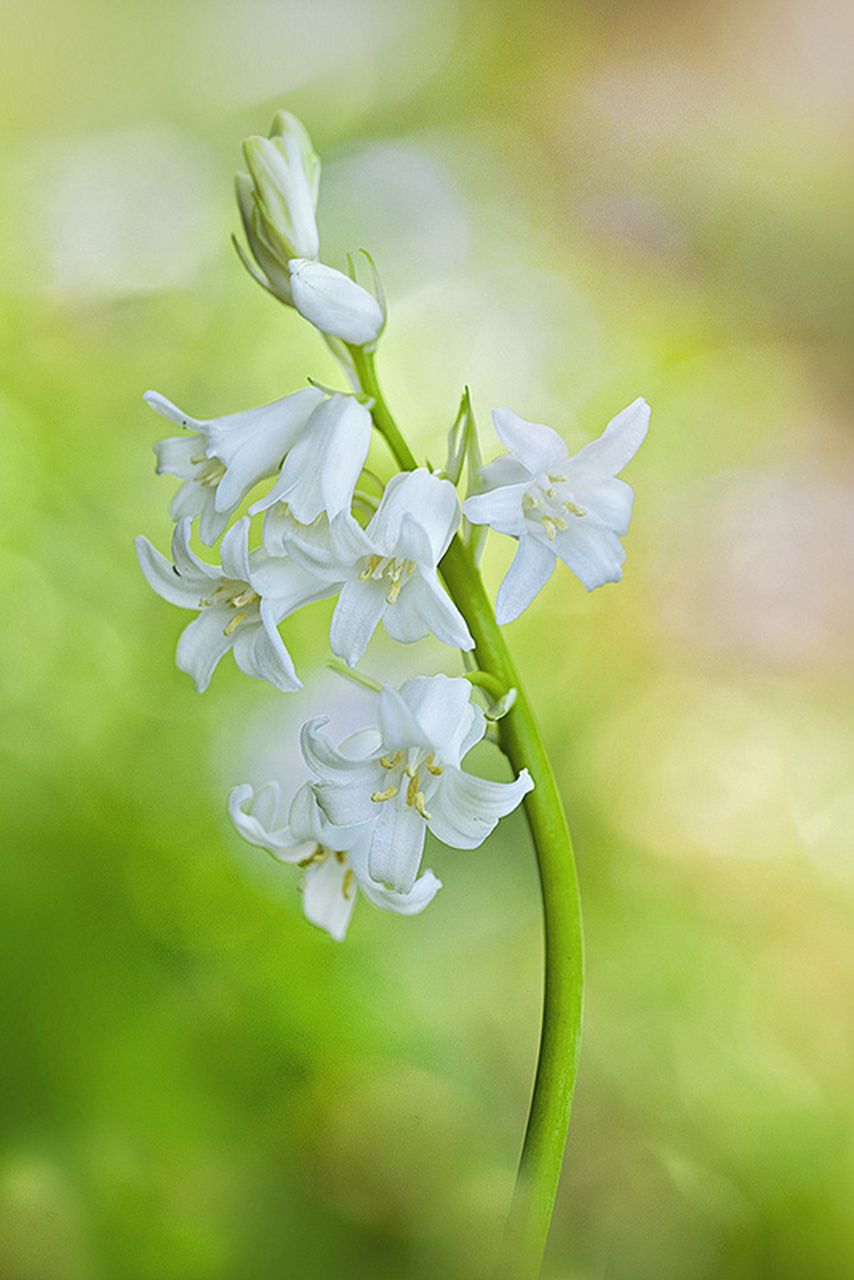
(571, 205)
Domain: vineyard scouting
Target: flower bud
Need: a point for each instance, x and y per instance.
(334, 303)
(277, 200)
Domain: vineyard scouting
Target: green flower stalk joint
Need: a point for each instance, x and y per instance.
(359, 826)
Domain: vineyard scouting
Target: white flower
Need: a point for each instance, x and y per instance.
(334, 859)
(241, 604)
(386, 571)
(334, 303)
(556, 505)
(225, 457)
(278, 201)
(405, 777)
(320, 471)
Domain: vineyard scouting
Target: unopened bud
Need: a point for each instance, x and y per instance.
(334, 303)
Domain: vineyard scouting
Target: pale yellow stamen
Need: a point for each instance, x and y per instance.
(348, 882)
(317, 855)
(373, 565)
(390, 763)
(384, 795)
(340, 856)
(234, 623)
(412, 788)
(419, 806)
(435, 769)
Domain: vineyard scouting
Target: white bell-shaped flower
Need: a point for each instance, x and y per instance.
(334, 859)
(240, 603)
(223, 458)
(386, 571)
(320, 471)
(405, 777)
(556, 505)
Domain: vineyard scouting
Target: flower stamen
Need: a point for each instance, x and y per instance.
(390, 763)
(379, 796)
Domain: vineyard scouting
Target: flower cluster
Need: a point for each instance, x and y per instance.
(360, 825)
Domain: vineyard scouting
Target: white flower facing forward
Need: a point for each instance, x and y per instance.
(334, 303)
(278, 201)
(405, 777)
(334, 859)
(386, 571)
(573, 507)
(225, 457)
(241, 604)
(320, 471)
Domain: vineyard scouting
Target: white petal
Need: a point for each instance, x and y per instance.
(175, 453)
(234, 551)
(320, 472)
(465, 808)
(328, 897)
(620, 440)
(537, 446)
(420, 895)
(333, 765)
(253, 443)
(500, 508)
(416, 498)
(202, 644)
(423, 605)
(259, 651)
(334, 303)
(443, 712)
(396, 846)
(186, 591)
(529, 572)
(360, 607)
(593, 553)
(400, 724)
(607, 499)
(256, 822)
(169, 410)
(310, 823)
(186, 562)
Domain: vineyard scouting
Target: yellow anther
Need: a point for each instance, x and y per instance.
(233, 623)
(394, 589)
(412, 792)
(419, 806)
(198, 458)
(317, 855)
(557, 479)
(373, 565)
(384, 795)
(247, 597)
(340, 856)
(574, 509)
(348, 882)
(410, 771)
(435, 769)
(390, 764)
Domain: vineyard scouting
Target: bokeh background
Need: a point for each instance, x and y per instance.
(571, 204)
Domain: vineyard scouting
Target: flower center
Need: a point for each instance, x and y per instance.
(209, 470)
(319, 854)
(395, 568)
(412, 777)
(548, 502)
(240, 599)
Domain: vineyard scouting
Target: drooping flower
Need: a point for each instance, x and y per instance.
(334, 303)
(320, 471)
(240, 603)
(405, 777)
(386, 571)
(278, 202)
(570, 507)
(334, 859)
(225, 457)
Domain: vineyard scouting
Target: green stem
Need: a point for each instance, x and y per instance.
(548, 1118)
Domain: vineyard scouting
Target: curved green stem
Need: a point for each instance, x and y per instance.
(548, 1118)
